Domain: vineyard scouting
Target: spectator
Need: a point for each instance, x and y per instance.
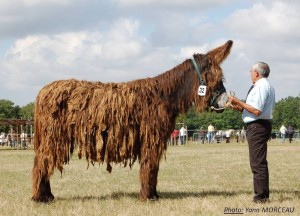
(210, 133)
(227, 136)
(243, 135)
(14, 141)
(9, 140)
(283, 132)
(219, 136)
(2, 139)
(238, 135)
(290, 132)
(175, 135)
(23, 137)
(182, 133)
(202, 134)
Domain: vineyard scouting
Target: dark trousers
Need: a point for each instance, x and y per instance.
(258, 134)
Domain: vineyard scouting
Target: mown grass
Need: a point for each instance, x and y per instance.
(193, 180)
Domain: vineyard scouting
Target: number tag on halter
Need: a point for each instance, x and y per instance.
(202, 90)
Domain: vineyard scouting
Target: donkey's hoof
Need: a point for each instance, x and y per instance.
(154, 197)
(44, 199)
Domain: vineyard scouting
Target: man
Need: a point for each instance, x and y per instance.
(182, 133)
(23, 140)
(202, 134)
(291, 132)
(283, 132)
(257, 115)
(175, 135)
(2, 138)
(243, 135)
(210, 131)
(227, 135)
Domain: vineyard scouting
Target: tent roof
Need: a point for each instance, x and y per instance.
(15, 122)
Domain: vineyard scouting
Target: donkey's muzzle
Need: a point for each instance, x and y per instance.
(220, 102)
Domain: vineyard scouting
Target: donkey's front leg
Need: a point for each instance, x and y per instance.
(41, 182)
(148, 177)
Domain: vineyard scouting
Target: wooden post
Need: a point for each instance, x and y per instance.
(31, 135)
(18, 136)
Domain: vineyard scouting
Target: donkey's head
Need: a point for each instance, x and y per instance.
(211, 91)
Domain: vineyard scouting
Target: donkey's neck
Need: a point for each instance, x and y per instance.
(177, 85)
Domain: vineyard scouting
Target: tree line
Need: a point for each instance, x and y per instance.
(287, 112)
(9, 111)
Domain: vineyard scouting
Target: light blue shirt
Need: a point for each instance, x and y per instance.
(261, 97)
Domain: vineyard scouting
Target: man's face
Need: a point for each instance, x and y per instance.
(254, 75)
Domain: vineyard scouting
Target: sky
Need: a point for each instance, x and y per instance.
(122, 40)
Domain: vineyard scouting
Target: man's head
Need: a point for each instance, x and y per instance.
(259, 70)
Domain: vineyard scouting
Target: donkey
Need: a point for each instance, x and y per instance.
(121, 122)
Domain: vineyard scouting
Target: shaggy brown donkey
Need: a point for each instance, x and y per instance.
(120, 122)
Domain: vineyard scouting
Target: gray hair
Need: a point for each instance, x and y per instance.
(262, 68)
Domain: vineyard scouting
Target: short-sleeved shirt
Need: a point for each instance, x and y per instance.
(261, 97)
(182, 131)
(283, 130)
(210, 128)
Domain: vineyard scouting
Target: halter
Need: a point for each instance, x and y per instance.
(220, 90)
(217, 92)
(202, 82)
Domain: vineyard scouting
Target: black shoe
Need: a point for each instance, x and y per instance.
(260, 200)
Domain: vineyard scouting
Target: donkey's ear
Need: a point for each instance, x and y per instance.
(219, 54)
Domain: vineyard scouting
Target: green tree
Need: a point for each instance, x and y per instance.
(7, 109)
(287, 111)
(27, 111)
(229, 119)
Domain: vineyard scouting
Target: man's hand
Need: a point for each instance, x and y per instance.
(234, 103)
(233, 100)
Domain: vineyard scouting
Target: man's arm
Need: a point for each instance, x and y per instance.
(238, 105)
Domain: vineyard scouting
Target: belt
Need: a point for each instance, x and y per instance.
(260, 121)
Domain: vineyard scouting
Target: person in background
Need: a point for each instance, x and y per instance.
(210, 133)
(23, 137)
(257, 115)
(283, 132)
(2, 139)
(227, 136)
(290, 132)
(238, 135)
(243, 135)
(219, 136)
(202, 134)
(182, 133)
(9, 140)
(175, 135)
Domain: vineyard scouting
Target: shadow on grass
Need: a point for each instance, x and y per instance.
(202, 194)
(163, 195)
(286, 195)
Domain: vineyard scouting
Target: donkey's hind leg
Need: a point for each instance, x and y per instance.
(148, 177)
(41, 182)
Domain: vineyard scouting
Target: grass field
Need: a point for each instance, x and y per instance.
(193, 180)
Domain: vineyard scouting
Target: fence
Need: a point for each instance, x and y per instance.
(194, 136)
(20, 133)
